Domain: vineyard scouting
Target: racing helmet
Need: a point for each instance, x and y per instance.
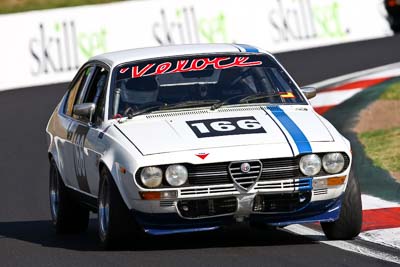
(140, 90)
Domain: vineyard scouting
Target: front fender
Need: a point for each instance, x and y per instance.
(121, 161)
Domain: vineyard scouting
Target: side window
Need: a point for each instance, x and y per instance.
(100, 107)
(75, 92)
(95, 92)
(98, 95)
(87, 78)
(96, 86)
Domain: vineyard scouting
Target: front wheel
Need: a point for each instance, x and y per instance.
(115, 224)
(348, 226)
(67, 215)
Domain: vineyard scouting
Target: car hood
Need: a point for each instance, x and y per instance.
(204, 129)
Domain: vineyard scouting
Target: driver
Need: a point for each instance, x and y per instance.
(139, 92)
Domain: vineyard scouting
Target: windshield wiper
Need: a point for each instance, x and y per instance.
(258, 96)
(242, 100)
(162, 106)
(195, 103)
(226, 101)
(131, 114)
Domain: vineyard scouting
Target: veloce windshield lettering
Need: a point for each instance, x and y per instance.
(186, 65)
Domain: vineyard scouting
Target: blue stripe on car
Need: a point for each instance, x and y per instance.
(301, 141)
(249, 48)
(238, 47)
(305, 184)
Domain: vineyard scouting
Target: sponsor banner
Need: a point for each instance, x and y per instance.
(43, 47)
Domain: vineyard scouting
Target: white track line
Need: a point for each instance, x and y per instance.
(388, 237)
(333, 98)
(344, 245)
(370, 202)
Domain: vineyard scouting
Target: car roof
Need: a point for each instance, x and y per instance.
(115, 58)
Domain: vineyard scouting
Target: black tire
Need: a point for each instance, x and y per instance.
(116, 231)
(394, 23)
(262, 226)
(68, 216)
(348, 226)
(396, 28)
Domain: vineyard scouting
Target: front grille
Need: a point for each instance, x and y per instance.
(272, 169)
(282, 162)
(217, 190)
(280, 169)
(287, 202)
(218, 173)
(285, 185)
(209, 174)
(207, 207)
(245, 174)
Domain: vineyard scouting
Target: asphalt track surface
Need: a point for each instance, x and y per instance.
(26, 235)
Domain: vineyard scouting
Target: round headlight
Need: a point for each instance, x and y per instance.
(151, 176)
(333, 162)
(176, 175)
(310, 165)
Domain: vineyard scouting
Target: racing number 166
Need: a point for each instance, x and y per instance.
(225, 126)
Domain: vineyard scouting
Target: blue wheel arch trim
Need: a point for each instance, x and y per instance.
(301, 141)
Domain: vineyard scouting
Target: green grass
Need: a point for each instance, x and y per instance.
(391, 93)
(383, 147)
(12, 6)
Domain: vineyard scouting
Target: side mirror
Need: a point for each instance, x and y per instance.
(309, 92)
(85, 110)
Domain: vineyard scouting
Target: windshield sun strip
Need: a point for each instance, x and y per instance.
(266, 56)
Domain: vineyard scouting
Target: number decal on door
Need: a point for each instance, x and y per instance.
(225, 126)
(78, 139)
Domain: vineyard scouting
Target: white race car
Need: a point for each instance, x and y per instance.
(191, 138)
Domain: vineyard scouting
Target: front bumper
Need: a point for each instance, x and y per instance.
(170, 223)
(278, 201)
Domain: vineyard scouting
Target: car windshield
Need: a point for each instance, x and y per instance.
(206, 81)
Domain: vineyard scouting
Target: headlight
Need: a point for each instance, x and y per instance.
(151, 176)
(333, 162)
(310, 165)
(176, 175)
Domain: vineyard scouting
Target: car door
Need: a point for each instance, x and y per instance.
(88, 134)
(83, 148)
(67, 123)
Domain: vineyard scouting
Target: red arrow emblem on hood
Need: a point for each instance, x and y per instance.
(202, 155)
